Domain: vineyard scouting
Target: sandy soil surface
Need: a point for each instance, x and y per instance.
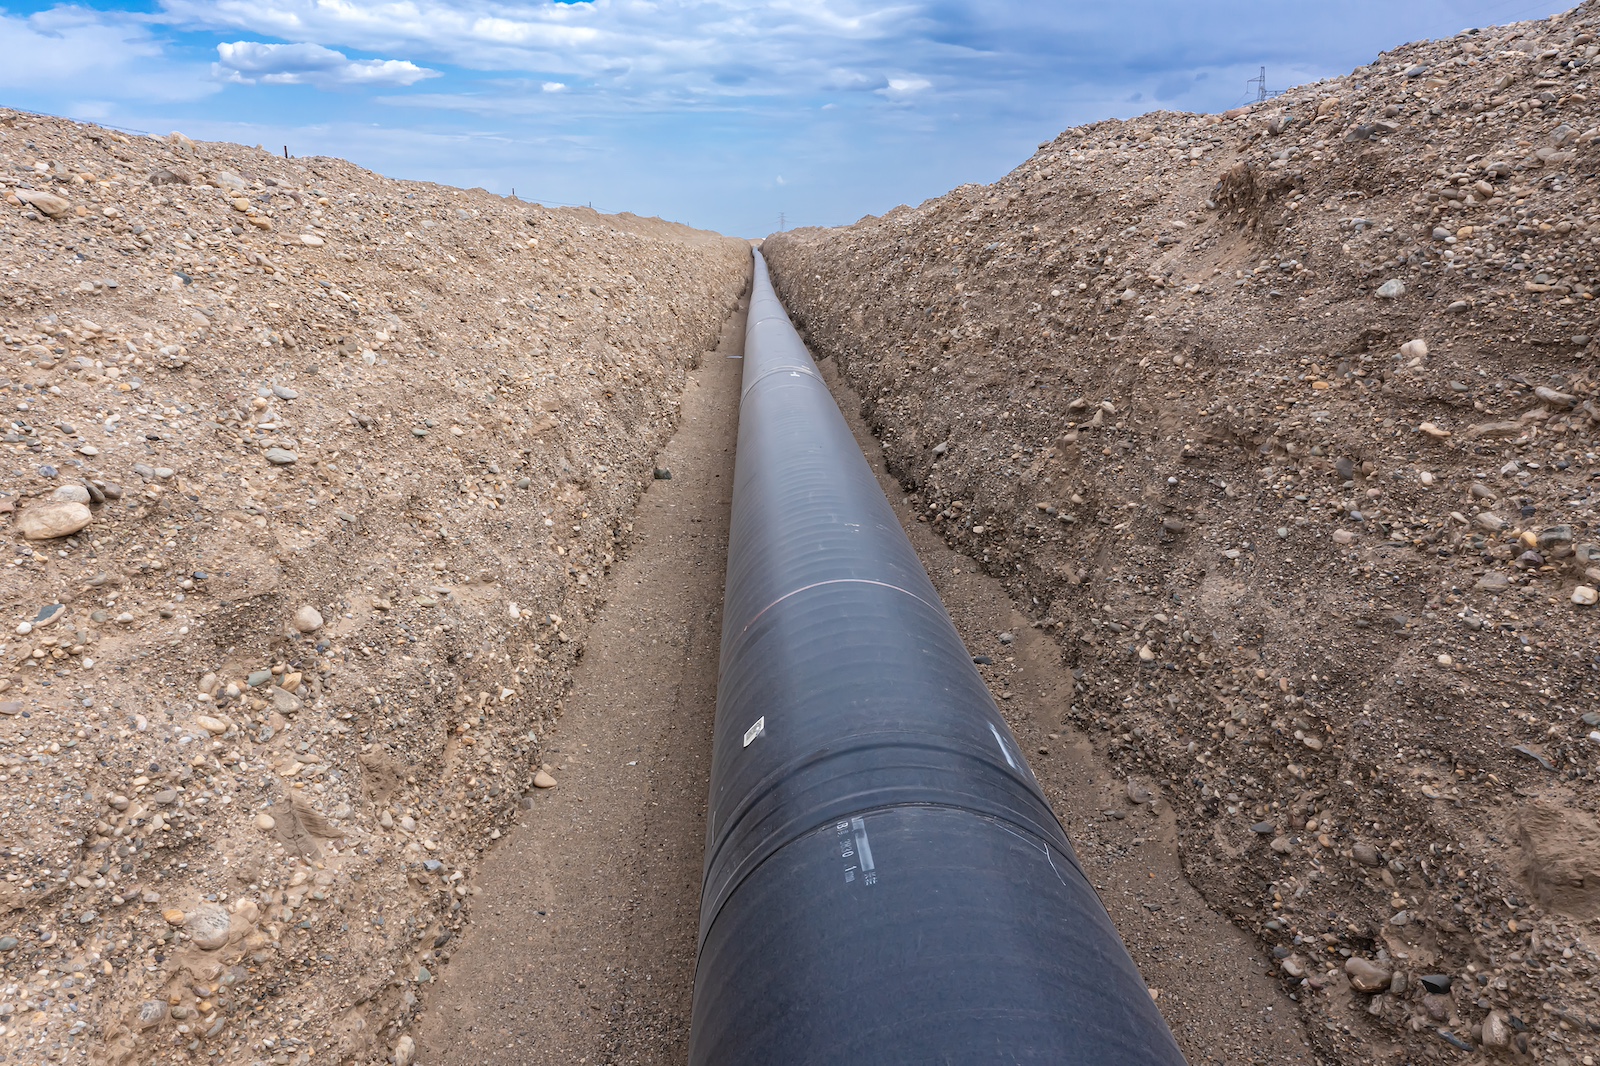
(311, 481)
(589, 953)
(1280, 426)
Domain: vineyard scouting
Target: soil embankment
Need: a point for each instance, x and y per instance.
(313, 482)
(589, 953)
(1281, 426)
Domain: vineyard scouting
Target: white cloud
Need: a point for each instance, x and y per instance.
(92, 56)
(553, 86)
(250, 62)
(905, 87)
(654, 51)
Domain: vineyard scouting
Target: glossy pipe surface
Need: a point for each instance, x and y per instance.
(884, 880)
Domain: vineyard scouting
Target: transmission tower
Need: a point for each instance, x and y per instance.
(1260, 82)
(783, 221)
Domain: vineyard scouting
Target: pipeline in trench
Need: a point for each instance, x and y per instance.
(885, 880)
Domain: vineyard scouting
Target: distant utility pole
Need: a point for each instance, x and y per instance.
(286, 151)
(783, 221)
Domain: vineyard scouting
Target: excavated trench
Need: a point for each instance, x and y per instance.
(584, 945)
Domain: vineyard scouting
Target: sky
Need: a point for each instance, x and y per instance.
(733, 115)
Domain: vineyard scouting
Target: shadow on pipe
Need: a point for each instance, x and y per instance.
(884, 880)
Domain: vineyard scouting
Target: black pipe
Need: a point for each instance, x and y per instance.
(884, 882)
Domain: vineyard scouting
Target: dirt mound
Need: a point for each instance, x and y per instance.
(1283, 422)
(311, 482)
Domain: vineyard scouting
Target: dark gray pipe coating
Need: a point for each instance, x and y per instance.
(885, 881)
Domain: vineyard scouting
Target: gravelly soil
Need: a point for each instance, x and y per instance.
(1281, 425)
(424, 413)
(588, 952)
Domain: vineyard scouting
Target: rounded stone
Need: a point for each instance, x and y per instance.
(59, 518)
(71, 494)
(1366, 975)
(208, 925)
(308, 619)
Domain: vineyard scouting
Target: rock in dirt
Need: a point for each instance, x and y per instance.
(543, 780)
(47, 521)
(208, 925)
(1366, 975)
(307, 619)
(71, 494)
(47, 203)
(1496, 1030)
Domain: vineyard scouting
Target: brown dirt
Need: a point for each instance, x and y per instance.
(1320, 585)
(588, 952)
(473, 390)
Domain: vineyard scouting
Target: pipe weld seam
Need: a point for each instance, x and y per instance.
(819, 584)
(797, 370)
(1023, 832)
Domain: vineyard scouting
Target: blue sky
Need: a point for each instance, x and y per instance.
(719, 113)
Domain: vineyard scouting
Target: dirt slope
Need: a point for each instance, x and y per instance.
(231, 826)
(590, 954)
(1283, 422)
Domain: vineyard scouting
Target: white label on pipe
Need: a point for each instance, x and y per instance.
(757, 730)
